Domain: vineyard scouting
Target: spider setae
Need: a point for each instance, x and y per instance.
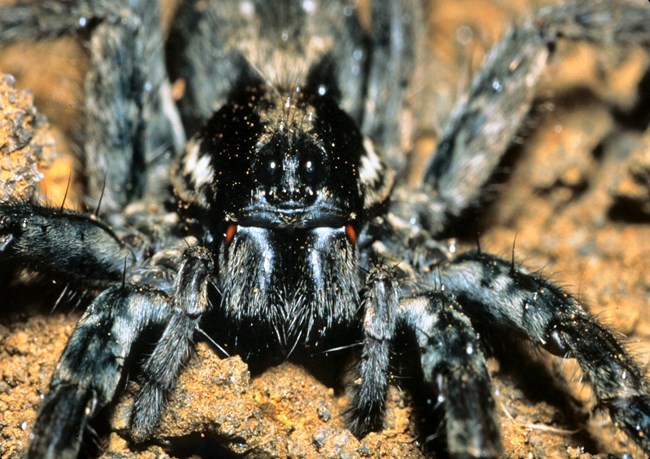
(283, 225)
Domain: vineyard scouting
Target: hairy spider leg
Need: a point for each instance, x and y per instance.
(483, 125)
(395, 34)
(379, 302)
(454, 366)
(131, 122)
(42, 238)
(175, 346)
(451, 357)
(495, 295)
(90, 368)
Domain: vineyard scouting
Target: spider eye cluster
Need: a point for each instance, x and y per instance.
(258, 162)
(287, 161)
(290, 166)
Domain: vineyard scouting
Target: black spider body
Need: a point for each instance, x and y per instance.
(279, 225)
(280, 200)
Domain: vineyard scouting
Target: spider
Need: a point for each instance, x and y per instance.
(283, 226)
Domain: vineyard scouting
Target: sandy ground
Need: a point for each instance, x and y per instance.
(575, 196)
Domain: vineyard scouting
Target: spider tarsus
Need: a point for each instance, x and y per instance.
(380, 300)
(455, 371)
(632, 414)
(147, 409)
(61, 423)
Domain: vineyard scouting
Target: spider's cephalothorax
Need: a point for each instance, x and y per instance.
(278, 227)
(281, 182)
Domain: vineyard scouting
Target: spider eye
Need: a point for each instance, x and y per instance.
(311, 167)
(310, 170)
(269, 170)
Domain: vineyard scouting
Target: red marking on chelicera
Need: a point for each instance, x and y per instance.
(351, 234)
(230, 233)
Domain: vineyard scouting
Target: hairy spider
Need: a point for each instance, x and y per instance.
(284, 227)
